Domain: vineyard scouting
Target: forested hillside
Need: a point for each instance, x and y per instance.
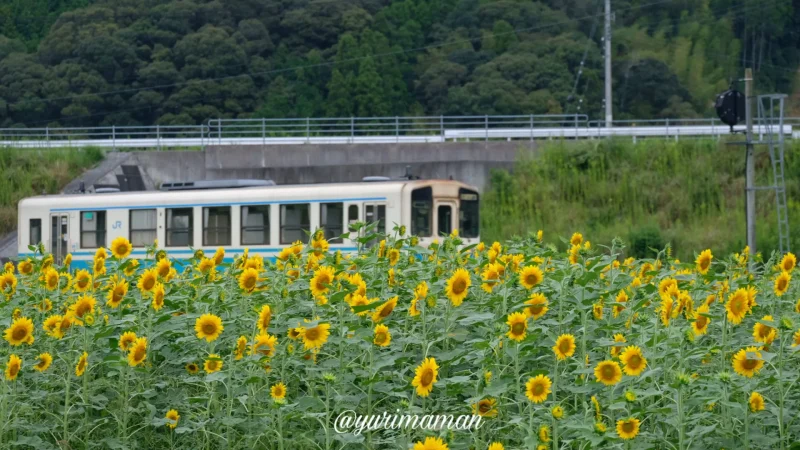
(126, 62)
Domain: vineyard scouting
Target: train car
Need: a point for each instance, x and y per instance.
(263, 219)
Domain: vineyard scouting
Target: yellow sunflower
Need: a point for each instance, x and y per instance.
(576, 239)
(490, 275)
(788, 262)
(704, 261)
(264, 345)
(737, 306)
(425, 376)
(544, 435)
(597, 310)
(137, 352)
(51, 279)
(130, 267)
(538, 388)
(384, 310)
(382, 336)
(565, 346)
(315, 337)
(25, 267)
(117, 293)
(99, 266)
(764, 333)
(633, 361)
(213, 363)
(278, 392)
(44, 361)
(83, 362)
(147, 281)
(782, 283)
(264, 317)
(701, 320)
(158, 296)
(248, 280)
(608, 372)
(241, 346)
(126, 340)
(20, 332)
(320, 283)
(172, 417)
(617, 349)
(517, 326)
(208, 327)
(205, 265)
(747, 362)
(82, 281)
(628, 428)
(394, 256)
(84, 305)
(485, 408)
(219, 256)
(121, 248)
(756, 402)
(192, 368)
(163, 267)
(458, 286)
(431, 443)
(796, 338)
(13, 367)
(496, 446)
(530, 276)
(537, 306)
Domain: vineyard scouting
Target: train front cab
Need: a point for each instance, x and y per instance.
(438, 208)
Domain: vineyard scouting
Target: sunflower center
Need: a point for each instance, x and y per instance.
(148, 283)
(427, 377)
(536, 309)
(212, 365)
(537, 389)
(635, 361)
(380, 338)
(750, 364)
(82, 309)
(250, 282)
(312, 334)
(209, 328)
(531, 279)
(484, 407)
(608, 372)
(701, 322)
(83, 282)
(564, 347)
(459, 286)
(518, 328)
(19, 333)
(782, 284)
(118, 293)
(13, 370)
(627, 427)
(139, 354)
(764, 331)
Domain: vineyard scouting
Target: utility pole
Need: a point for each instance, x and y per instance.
(607, 42)
(750, 165)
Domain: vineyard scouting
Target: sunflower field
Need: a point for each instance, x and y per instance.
(553, 346)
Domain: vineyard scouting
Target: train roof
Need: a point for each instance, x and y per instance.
(358, 191)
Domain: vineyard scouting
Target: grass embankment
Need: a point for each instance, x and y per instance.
(27, 172)
(688, 193)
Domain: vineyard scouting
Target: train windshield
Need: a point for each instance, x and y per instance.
(468, 214)
(421, 211)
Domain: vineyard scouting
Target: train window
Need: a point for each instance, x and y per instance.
(331, 219)
(35, 233)
(217, 225)
(93, 229)
(421, 211)
(352, 214)
(445, 213)
(295, 221)
(143, 227)
(179, 227)
(468, 214)
(255, 225)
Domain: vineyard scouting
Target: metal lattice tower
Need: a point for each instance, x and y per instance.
(771, 110)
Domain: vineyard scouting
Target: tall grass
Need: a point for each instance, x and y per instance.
(688, 193)
(27, 172)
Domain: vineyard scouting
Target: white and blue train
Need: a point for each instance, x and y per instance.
(263, 219)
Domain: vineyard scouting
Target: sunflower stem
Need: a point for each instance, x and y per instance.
(746, 424)
(66, 410)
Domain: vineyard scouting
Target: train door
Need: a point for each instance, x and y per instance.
(445, 217)
(375, 212)
(59, 236)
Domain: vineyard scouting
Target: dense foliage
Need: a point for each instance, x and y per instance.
(578, 348)
(688, 193)
(93, 62)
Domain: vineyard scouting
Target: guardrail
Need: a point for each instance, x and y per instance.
(370, 130)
